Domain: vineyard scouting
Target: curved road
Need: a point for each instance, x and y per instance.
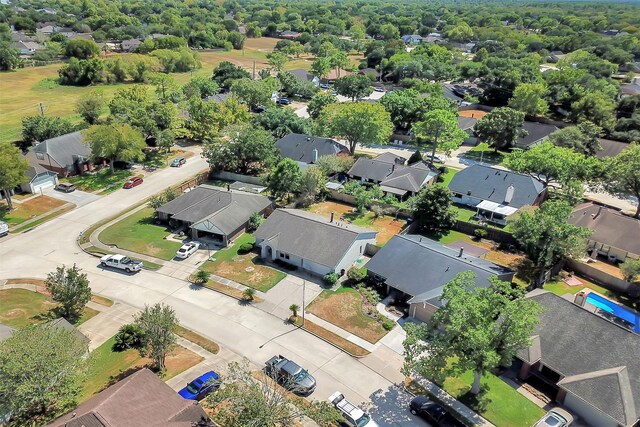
(246, 331)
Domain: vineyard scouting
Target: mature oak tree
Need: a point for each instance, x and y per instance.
(285, 178)
(116, 142)
(13, 168)
(500, 128)
(432, 209)
(157, 323)
(439, 130)
(70, 288)
(622, 174)
(354, 86)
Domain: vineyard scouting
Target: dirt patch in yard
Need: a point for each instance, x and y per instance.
(325, 209)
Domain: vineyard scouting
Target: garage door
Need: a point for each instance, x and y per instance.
(42, 181)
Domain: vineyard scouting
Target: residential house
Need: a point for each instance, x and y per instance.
(38, 176)
(311, 242)
(591, 362)
(84, 36)
(630, 89)
(141, 399)
(375, 75)
(303, 76)
(26, 49)
(467, 124)
(155, 36)
(64, 154)
(416, 269)
(19, 36)
(130, 45)
(307, 149)
(535, 133)
(449, 94)
(334, 74)
(495, 193)
(556, 56)
(614, 234)
(290, 35)
(213, 213)
(48, 11)
(218, 97)
(393, 176)
(611, 148)
(412, 39)
(433, 38)
(47, 30)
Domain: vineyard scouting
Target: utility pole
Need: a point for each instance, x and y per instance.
(254, 69)
(41, 109)
(304, 283)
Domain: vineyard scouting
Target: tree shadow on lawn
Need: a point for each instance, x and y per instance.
(53, 314)
(477, 402)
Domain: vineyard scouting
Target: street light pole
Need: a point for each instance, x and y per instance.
(304, 284)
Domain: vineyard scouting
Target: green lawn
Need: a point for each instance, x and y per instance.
(450, 237)
(505, 407)
(137, 233)
(24, 211)
(486, 154)
(22, 307)
(245, 269)
(558, 287)
(464, 213)
(447, 176)
(99, 180)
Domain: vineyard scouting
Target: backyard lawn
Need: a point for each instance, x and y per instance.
(244, 269)
(31, 208)
(486, 154)
(22, 307)
(137, 233)
(100, 180)
(343, 308)
(107, 366)
(448, 176)
(505, 407)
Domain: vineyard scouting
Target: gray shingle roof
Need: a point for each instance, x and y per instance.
(5, 332)
(598, 359)
(299, 147)
(611, 148)
(309, 236)
(65, 149)
(466, 123)
(223, 211)
(389, 170)
(535, 132)
(487, 183)
(609, 226)
(420, 267)
(302, 75)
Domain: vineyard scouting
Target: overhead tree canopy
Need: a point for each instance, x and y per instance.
(13, 168)
(501, 128)
(622, 174)
(116, 142)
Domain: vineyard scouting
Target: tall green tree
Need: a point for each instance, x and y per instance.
(281, 122)
(207, 119)
(432, 209)
(501, 128)
(312, 183)
(529, 98)
(70, 288)
(439, 130)
(157, 323)
(354, 86)
(226, 73)
(9, 58)
(200, 87)
(583, 138)
(90, 105)
(13, 169)
(166, 88)
(285, 178)
(547, 237)
(81, 49)
(318, 102)
(483, 328)
(405, 106)
(320, 67)
(622, 176)
(116, 142)
(39, 128)
(41, 371)
(355, 122)
(597, 107)
(255, 93)
(277, 60)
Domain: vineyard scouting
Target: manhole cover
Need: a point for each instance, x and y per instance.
(249, 269)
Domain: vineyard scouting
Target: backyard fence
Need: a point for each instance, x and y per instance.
(387, 209)
(230, 176)
(193, 182)
(494, 234)
(603, 278)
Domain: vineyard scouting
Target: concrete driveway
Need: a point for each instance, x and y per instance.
(78, 198)
(289, 291)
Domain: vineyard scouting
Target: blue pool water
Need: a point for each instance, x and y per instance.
(629, 317)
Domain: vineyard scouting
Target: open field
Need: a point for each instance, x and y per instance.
(23, 89)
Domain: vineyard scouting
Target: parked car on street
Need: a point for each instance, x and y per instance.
(433, 413)
(187, 250)
(557, 417)
(4, 228)
(284, 101)
(290, 375)
(121, 262)
(378, 89)
(200, 387)
(133, 182)
(65, 187)
(439, 158)
(177, 162)
(353, 416)
(324, 86)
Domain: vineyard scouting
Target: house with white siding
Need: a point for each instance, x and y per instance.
(311, 242)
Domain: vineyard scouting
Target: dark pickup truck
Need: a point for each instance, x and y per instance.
(290, 375)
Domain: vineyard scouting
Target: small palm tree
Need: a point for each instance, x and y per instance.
(248, 294)
(294, 310)
(201, 277)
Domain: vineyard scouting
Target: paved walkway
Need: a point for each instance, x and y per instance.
(106, 324)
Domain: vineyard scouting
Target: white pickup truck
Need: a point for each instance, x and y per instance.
(4, 229)
(122, 262)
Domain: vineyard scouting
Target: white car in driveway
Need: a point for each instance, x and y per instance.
(187, 250)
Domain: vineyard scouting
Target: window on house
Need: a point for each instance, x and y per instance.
(281, 255)
(458, 195)
(40, 156)
(286, 256)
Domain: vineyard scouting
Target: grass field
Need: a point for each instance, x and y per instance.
(107, 366)
(99, 180)
(31, 208)
(243, 269)
(137, 233)
(34, 85)
(22, 307)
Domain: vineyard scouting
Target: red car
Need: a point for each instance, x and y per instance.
(133, 182)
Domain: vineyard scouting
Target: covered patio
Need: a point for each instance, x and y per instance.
(494, 212)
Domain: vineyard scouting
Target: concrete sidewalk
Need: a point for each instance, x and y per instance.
(106, 324)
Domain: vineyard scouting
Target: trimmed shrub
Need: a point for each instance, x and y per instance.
(245, 248)
(480, 233)
(331, 278)
(388, 324)
(356, 274)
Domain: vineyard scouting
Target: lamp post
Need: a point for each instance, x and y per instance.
(304, 284)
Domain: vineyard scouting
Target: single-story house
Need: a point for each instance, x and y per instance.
(495, 193)
(311, 242)
(65, 154)
(393, 176)
(449, 94)
(615, 235)
(307, 149)
(218, 97)
(141, 399)
(417, 268)
(433, 38)
(611, 148)
(536, 133)
(26, 48)
(591, 362)
(19, 36)
(130, 45)
(556, 56)
(412, 39)
(467, 124)
(84, 36)
(303, 76)
(47, 30)
(370, 72)
(39, 176)
(630, 90)
(290, 35)
(334, 74)
(62, 323)
(212, 212)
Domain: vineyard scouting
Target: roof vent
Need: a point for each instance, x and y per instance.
(507, 198)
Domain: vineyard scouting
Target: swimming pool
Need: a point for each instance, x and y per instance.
(629, 317)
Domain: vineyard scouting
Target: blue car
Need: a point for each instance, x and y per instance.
(201, 386)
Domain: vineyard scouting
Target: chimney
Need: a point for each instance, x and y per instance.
(507, 198)
(228, 187)
(331, 220)
(461, 252)
(314, 156)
